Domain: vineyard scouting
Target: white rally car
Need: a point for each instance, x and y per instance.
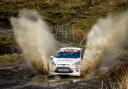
(66, 61)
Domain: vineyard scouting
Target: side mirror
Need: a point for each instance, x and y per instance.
(51, 57)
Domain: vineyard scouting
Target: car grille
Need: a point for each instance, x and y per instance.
(63, 70)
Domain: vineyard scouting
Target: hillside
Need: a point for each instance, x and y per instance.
(82, 13)
(77, 14)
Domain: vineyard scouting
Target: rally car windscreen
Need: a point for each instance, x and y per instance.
(68, 55)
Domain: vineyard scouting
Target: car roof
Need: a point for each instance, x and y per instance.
(77, 48)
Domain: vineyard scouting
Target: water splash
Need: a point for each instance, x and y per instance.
(105, 42)
(34, 38)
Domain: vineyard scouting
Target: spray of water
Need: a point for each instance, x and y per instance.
(105, 42)
(34, 38)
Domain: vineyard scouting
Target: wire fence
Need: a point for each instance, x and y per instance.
(67, 33)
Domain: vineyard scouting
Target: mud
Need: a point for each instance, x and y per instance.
(21, 76)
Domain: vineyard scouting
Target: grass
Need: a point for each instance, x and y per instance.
(80, 13)
(10, 58)
(61, 11)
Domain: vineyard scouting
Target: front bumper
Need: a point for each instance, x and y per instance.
(70, 74)
(67, 70)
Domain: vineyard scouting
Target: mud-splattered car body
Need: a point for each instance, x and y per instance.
(66, 61)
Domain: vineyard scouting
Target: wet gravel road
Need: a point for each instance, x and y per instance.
(21, 76)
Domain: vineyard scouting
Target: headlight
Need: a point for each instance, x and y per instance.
(77, 63)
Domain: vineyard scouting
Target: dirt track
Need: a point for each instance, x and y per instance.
(21, 76)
